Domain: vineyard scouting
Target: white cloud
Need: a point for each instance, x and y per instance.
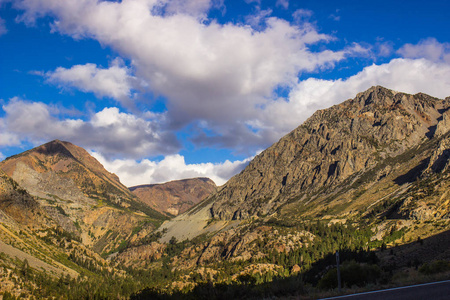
(300, 15)
(208, 72)
(115, 82)
(110, 131)
(3, 29)
(384, 49)
(258, 20)
(172, 167)
(405, 75)
(196, 8)
(258, 2)
(277, 118)
(221, 78)
(283, 3)
(7, 138)
(335, 17)
(2, 157)
(115, 134)
(429, 48)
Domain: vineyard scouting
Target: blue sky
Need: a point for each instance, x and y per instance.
(159, 90)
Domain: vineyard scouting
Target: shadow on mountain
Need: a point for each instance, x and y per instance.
(436, 247)
(54, 148)
(221, 291)
(358, 268)
(412, 174)
(441, 161)
(431, 131)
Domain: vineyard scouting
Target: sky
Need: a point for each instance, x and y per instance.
(159, 90)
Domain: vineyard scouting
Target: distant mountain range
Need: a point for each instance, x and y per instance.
(370, 173)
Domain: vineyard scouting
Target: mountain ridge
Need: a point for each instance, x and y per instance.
(58, 156)
(329, 162)
(376, 124)
(174, 197)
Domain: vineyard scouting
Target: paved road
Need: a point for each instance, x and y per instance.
(427, 291)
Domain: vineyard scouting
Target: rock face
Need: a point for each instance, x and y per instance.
(379, 163)
(333, 146)
(175, 197)
(16, 204)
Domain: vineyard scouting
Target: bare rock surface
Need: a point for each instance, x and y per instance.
(330, 147)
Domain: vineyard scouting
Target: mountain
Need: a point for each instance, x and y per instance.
(365, 176)
(43, 169)
(16, 205)
(61, 216)
(79, 195)
(377, 165)
(333, 147)
(174, 197)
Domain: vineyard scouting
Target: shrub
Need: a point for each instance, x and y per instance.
(435, 267)
(351, 274)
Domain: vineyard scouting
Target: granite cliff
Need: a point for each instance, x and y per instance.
(334, 146)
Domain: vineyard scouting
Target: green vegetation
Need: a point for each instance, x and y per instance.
(352, 274)
(435, 267)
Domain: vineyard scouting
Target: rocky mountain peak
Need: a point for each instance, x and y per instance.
(334, 145)
(55, 147)
(58, 167)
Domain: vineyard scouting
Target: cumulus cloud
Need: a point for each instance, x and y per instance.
(208, 72)
(172, 167)
(109, 131)
(115, 82)
(429, 48)
(282, 115)
(218, 78)
(7, 138)
(258, 20)
(196, 8)
(116, 134)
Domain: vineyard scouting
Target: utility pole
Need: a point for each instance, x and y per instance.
(338, 271)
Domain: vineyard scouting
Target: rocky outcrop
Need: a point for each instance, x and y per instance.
(141, 255)
(175, 197)
(332, 146)
(440, 158)
(16, 205)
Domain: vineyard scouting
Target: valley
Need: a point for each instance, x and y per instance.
(368, 177)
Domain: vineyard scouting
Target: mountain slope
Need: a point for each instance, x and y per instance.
(61, 215)
(334, 145)
(364, 157)
(66, 161)
(174, 197)
(359, 177)
(16, 205)
(79, 195)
